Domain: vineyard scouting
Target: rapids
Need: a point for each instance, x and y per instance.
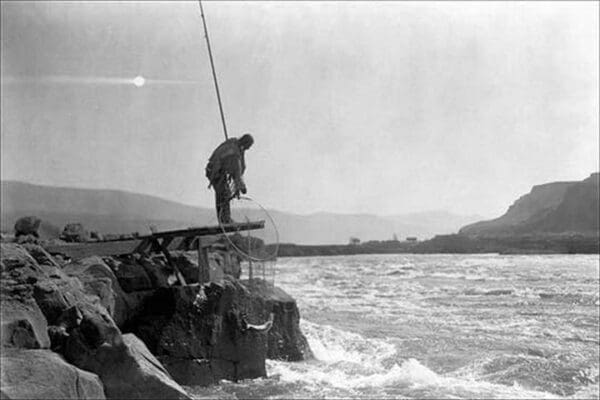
(438, 326)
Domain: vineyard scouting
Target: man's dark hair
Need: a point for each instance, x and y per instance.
(246, 141)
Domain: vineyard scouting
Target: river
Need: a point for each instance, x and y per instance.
(438, 326)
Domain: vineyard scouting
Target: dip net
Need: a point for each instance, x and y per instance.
(257, 249)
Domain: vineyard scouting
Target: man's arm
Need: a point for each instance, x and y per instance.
(238, 179)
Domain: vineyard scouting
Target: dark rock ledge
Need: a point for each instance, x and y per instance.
(117, 327)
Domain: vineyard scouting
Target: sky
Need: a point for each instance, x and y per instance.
(356, 107)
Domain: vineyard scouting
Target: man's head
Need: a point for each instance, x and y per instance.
(246, 141)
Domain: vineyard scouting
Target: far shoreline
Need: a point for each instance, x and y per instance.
(526, 244)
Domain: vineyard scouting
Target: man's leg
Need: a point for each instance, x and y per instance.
(222, 197)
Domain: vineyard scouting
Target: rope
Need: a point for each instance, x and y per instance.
(214, 74)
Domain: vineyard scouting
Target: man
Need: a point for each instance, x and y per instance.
(225, 171)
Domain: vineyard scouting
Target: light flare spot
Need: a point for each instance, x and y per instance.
(139, 81)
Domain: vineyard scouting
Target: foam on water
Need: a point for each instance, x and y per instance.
(348, 364)
(440, 326)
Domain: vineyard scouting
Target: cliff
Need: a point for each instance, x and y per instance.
(559, 207)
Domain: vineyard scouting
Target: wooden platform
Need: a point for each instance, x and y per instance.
(181, 239)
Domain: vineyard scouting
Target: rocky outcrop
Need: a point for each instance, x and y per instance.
(285, 340)
(203, 334)
(43, 374)
(130, 371)
(192, 334)
(79, 326)
(23, 324)
(199, 334)
(75, 232)
(27, 226)
(100, 280)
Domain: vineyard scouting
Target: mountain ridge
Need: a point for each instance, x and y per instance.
(117, 211)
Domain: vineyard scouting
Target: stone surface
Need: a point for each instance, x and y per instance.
(43, 374)
(187, 265)
(27, 226)
(132, 372)
(160, 273)
(200, 332)
(131, 275)
(74, 232)
(286, 341)
(23, 324)
(16, 262)
(98, 279)
(80, 327)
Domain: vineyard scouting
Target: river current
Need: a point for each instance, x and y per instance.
(438, 326)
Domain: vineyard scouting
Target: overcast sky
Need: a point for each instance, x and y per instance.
(378, 107)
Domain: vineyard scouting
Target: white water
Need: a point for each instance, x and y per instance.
(438, 326)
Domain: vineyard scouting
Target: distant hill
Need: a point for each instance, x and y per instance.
(558, 207)
(114, 211)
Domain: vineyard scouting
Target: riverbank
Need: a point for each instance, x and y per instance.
(460, 244)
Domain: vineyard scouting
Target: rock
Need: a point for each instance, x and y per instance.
(75, 232)
(187, 266)
(132, 372)
(160, 273)
(43, 374)
(23, 324)
(18, 264)
(97, 236)
(54, 296)
(286, 341)
(22, 239)
(131, 275)
(27, 226)
(202, 339)
(41, 256)
(98, 279)
(80, 327)
(222, 261)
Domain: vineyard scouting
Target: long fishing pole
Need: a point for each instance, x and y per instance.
(212, 65)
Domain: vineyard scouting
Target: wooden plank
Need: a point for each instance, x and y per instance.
(211, 230)
(82, 250)
(203, 266)
(140, 244)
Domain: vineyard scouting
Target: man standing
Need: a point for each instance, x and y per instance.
(225, 170)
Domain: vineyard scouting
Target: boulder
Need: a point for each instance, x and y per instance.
(27, 226)
(40, 255)
(132, 372)
(160, 273)
(18, 264)
(187, 266)
(131, 275)
(43, 374)
(200, 335)
(222, 261)
(286, 341)
(99, 280)
(23, 324)
(80, 327)
(74, 232)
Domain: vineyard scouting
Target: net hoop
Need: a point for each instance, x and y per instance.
(247, 256)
